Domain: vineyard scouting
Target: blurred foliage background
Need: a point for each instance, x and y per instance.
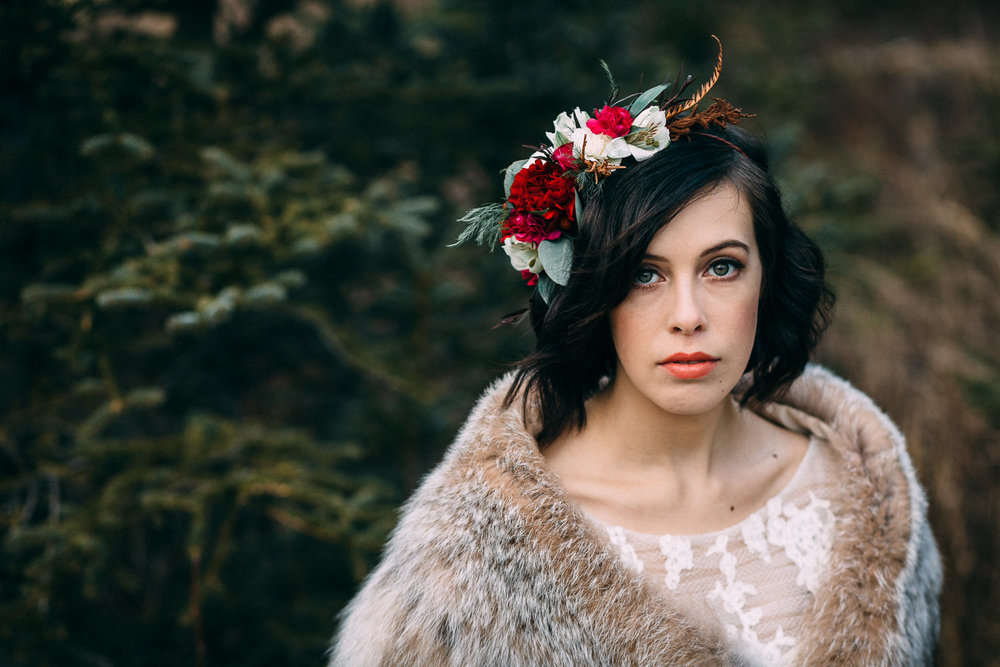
(233, 338)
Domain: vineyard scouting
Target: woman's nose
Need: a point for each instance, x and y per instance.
(686, 315)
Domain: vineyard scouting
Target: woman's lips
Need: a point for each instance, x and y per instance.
(689, 366)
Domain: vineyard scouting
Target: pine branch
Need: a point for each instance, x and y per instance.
(483, 225)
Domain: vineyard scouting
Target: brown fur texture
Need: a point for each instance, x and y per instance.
(491, 564)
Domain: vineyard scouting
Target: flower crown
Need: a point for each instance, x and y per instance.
(537, 221)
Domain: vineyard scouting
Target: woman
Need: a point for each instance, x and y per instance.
(664, 480)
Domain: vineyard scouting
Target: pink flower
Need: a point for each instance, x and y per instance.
(611, 121)
(564, 156)
(531, 227)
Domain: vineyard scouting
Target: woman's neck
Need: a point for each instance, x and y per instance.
(628, 436)
(638, 466)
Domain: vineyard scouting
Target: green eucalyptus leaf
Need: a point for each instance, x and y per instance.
(557, 258)
(508, 179)
(546, 287)
(643, 100)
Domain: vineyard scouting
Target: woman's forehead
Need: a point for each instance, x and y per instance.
(713, 219)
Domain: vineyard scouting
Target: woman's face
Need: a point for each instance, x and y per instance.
(684, 333)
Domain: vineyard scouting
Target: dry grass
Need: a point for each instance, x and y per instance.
(919, 309)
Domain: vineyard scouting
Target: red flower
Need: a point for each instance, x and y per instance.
(529, 228)
(529, 277)
(612, 121)
(542, 199)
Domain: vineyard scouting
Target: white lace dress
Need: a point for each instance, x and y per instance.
(752, 582)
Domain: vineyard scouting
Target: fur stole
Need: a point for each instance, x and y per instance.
(491, 564)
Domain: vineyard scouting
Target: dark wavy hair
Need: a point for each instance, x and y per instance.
(574, 350)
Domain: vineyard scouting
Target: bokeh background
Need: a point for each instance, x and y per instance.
(232, 337)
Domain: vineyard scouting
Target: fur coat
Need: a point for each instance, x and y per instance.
(491, 564)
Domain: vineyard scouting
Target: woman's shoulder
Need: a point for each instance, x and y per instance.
(883, 550)
(868, 447)
(823, 403)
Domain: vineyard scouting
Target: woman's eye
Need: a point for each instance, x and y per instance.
(645, 276)
(723, 268)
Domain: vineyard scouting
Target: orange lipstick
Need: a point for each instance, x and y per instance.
(689, 366)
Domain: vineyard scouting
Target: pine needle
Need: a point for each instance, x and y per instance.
(484, 226)
(611, 80)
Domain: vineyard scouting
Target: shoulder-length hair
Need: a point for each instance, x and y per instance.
(574, 350)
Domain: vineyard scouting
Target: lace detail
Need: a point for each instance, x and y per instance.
(625, 550)
(734, 594)
(677, 557)
(754, 534)
(804, 535)
(753, 581)
(775, 652)
(734, 599)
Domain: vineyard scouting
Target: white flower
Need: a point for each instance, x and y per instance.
(649, 133)
(535, 157)
(599, 147)
(566, 125)
(523, 256)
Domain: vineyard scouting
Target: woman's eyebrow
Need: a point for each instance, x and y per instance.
(731, 243)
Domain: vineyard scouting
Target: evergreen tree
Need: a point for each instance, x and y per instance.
(232, 337)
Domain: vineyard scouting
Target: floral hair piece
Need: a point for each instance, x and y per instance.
(545, 194)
